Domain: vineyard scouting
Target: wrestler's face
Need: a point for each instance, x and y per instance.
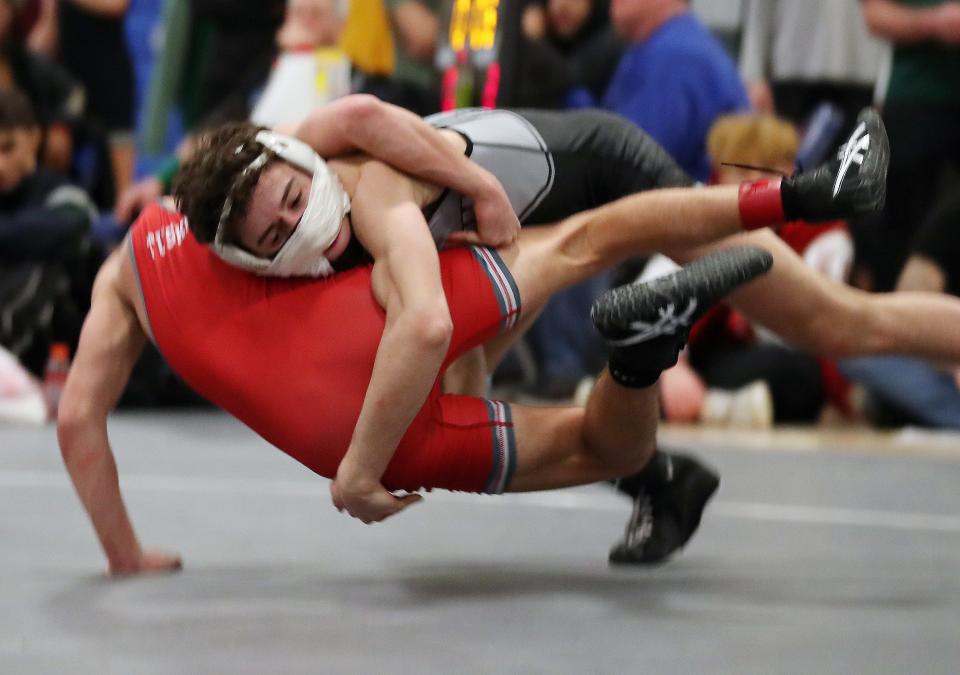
(274, 210)
(18, 156)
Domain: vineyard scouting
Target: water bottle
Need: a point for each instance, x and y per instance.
(55, 376)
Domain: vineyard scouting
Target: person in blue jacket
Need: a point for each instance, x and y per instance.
(673, 80)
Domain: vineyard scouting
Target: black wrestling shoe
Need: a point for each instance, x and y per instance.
(647, 324)
(853, 183)
(669, 497)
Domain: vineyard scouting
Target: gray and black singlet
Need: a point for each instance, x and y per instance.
(551, 164)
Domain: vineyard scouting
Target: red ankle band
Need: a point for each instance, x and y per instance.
(760, 203)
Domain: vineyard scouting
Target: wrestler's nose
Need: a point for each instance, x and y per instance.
(289, 219)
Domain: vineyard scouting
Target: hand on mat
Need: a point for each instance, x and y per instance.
(150, 562)
(367, 500)
(497, 224)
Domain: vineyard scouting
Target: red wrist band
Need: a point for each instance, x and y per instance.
(760, 203)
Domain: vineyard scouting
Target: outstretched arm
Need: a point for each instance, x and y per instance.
(404, 141)
(110, 343)
(903, 24)
(406, 282)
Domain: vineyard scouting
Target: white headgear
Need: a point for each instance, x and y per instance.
(328, 203)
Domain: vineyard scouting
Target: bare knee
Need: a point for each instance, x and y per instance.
(631, 463)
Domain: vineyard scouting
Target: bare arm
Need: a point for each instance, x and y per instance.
(407, 143)
(907, 25)
(406, 281)
(113, 8)
(110, 343)
(416, 27)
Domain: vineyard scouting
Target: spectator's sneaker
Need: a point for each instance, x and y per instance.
(853, 183)
(750, 407)
(668, 501)
(647, 324)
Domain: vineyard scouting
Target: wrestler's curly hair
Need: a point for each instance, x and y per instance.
(215, 171)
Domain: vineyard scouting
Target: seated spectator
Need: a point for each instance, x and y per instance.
(732, 373)
(44, 242)
(56, 98)
(415, 82)
(914, 391)
(310, 70)
(673, 80)
(570, 44)
(797, 54)
(315, 76)
(87, 38)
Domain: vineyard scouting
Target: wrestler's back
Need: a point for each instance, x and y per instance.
(290, 358)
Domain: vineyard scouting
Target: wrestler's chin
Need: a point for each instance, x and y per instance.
(339, 245)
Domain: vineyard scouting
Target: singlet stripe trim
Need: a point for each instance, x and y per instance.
(143, 298)
(503, 283)
(504, 447)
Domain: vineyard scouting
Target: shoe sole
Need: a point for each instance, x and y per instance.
(705, 280)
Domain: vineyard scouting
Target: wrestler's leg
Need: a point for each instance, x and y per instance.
(825, 317)
(547, 259)
(559, 447)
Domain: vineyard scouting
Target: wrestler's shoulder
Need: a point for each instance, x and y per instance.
(160, 211)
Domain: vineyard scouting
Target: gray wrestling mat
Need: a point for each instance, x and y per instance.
(808, 562)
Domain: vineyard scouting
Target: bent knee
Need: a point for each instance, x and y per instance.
(632, 462)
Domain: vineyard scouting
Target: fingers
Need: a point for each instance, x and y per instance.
(335, 496)
(464, 238)
(379, 508)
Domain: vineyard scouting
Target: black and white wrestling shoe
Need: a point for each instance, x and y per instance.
(852, 183)
(647, 324)
(669, 496)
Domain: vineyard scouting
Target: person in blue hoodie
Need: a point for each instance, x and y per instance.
(673, 80)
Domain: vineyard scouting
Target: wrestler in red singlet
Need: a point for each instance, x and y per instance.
(292, 358)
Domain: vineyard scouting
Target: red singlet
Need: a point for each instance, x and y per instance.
(292, 358)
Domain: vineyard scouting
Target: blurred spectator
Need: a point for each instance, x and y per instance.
(570, 44)
(913, 391)
(87, 37)
(674, 79)
(21, 398)
(796, 54)
(308, 72)
(734, 374)
(921, 111)
(415, 83)
(241, 49)
(44, 242)
(56, 98)
(215, 55)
